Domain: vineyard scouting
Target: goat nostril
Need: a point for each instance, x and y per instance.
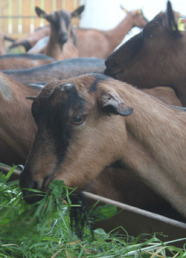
(63, 38)
(27, 184)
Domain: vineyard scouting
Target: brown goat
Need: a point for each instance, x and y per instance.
(59, 70)
(86, 124)
(94, 42)
(62, 40)
(11, 154)
(166, 94)
(20, 61)
(32, 38)
(74, 67)
(153, 57)
(17, 127)
(17, 132)
(101, 43)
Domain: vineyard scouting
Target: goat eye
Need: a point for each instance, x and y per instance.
(77, 120)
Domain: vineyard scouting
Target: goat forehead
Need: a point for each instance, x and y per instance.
(127, 52)
(62, 100)
(160, 21)
(76, 90)
(62, 16)
(157, 24)
(90, 82)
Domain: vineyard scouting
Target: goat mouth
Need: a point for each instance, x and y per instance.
(63, 40)
(112, 73)
(31, 197)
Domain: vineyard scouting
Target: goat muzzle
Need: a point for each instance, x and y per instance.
(63, 38)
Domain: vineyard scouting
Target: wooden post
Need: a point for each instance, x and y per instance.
(42, 7)
(20, 17)
(10, 16)
(63, 4)
(54, 5)
(32, 21)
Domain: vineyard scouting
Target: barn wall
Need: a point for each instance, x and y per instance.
(17, 17)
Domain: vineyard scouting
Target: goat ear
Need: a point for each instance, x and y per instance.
(78, 11)
(40, 13)
(112, 103)
(171, 21)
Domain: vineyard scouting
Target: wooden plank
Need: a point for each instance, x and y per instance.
(18, 18)
(4, 11)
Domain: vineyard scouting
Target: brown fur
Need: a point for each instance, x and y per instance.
(59, 70)
(121, 185)
(32, 38)
(17, 126)
(100, 43)
(16, 62)
(54, 49)
(166, 94)
(15, 144)
(149, 143)
(154, 57)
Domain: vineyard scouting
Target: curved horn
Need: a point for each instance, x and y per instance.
(124, 9)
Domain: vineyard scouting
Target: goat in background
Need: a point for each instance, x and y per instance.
(62, 39)
(101, 43)
(22, 61)
(155, 56)
(91, 42)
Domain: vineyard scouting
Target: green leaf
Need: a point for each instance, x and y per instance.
(106, 211)
(57, 186)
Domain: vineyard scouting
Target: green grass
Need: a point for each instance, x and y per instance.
(43, 230)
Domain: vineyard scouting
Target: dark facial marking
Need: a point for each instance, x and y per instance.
(54, 113)
(58, 16)
(98, 78)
